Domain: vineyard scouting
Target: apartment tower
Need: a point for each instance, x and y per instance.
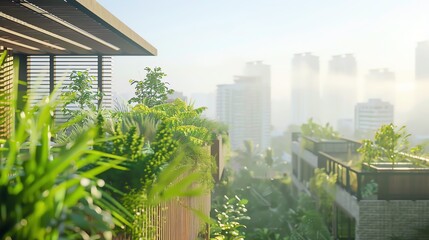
(339, 89)
(371, 115)
(305, 97)
(245, 106)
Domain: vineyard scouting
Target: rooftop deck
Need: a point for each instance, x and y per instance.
(380, 180)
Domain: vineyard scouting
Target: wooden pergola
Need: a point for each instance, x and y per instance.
(72, 27)
(56, 28)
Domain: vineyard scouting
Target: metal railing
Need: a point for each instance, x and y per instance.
(382, 185)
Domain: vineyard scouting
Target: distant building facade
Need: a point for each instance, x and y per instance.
(381, 83)
(305, 96)
(418, 115)
(339, 89)
(371, 115)
(245, 106)
(422, 61)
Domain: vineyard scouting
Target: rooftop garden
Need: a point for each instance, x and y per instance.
(386, 167)
(96, 175)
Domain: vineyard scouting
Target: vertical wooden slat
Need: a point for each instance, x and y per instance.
(100, 77)
(6, 88)
(51, 73)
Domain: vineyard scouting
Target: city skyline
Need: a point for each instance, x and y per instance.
(201, 43)
(199, 50)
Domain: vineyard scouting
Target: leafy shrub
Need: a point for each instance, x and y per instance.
(47, 192)
(229, 216)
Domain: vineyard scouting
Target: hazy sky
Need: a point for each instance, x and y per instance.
(202, 43)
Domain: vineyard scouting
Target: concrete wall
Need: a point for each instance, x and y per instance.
(381, 220)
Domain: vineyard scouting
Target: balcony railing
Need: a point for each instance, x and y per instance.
(394, 183)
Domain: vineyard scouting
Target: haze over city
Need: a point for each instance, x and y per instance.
(315, 126)
(205, 43)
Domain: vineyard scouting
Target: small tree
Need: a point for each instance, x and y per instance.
(80, 93)
(389, 145)
(152, 90)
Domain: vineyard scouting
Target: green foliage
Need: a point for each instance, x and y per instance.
(173, 158)
(266, 234)
(175, 180)
(306, 222)
(152, 90)
(268, 199)
(247, 157)
(162, 127)
(48, 192)
(3, 57)
(129, 144)
(312, 129)
(370, 189)
(163, 149)
(184, 120)
(79, 93)
(389, 145)
(260, 165)
(322, 186)
(229, 217)
(391, 141)
(369, 151)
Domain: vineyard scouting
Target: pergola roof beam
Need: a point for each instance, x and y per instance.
(73, 27)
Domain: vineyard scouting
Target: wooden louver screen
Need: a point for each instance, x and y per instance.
(6, 87)
(39, 75)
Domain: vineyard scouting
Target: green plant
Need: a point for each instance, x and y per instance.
(389, 145)
(312, 129)
(391, 141)
(268, 199)
(3, 57)
(370, 189)
(322, 186)
(152, 90)
(228, 223)
(48, 192)
(369, 151)
(305, 221)
(174, 181)
(163, 149)
(248, 158)
(79, 94)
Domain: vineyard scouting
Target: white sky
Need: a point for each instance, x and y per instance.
(202, 43)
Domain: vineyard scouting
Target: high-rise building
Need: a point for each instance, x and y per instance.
(417, 111)
(343, 65)
(245, 106)
(339, 89)
(380, 83)
(422, 61)
(371, 115)
(305, 97)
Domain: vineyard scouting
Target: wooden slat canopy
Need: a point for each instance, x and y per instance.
(72, 27)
